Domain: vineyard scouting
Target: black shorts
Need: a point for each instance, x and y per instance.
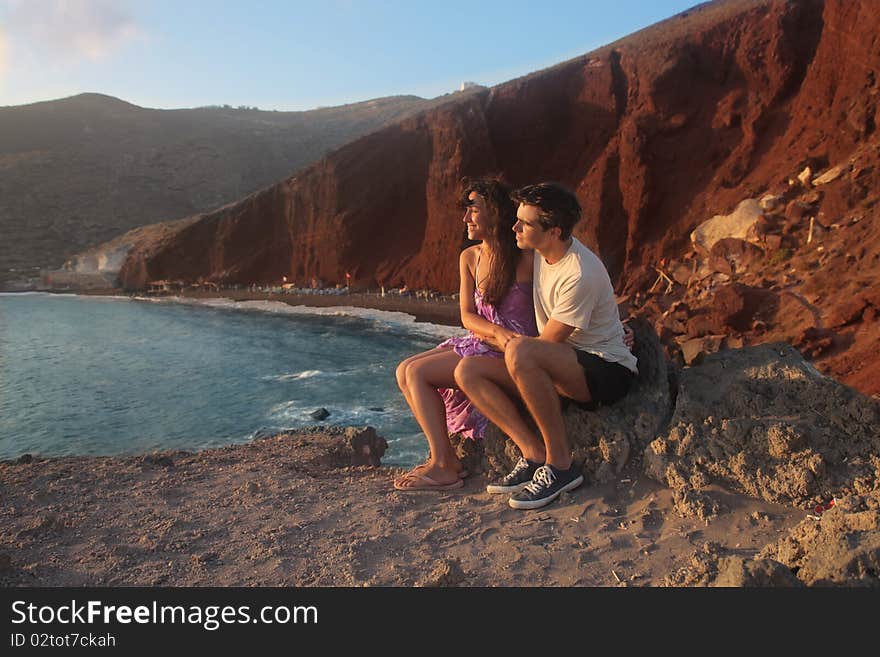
(606, 381)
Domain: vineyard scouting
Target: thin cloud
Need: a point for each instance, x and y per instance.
(90, 29)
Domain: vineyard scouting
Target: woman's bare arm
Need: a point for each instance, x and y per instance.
(481, 327)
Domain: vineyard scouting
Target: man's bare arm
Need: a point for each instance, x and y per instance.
(556, 331)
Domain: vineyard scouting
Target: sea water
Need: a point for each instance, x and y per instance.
(84, 375)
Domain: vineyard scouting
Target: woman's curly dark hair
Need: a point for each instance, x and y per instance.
(500, 236)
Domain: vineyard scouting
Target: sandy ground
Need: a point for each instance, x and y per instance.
(276, 512)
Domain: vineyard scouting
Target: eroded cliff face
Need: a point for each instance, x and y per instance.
(656, 133)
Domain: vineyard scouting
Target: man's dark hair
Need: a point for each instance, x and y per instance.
(558, 206)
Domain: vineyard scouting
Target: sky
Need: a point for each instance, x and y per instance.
(294, 54)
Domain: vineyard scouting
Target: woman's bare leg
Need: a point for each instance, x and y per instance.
(419, 377)
(401, 371)
(404, 388)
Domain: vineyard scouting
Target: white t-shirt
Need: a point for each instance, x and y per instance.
(577, 291)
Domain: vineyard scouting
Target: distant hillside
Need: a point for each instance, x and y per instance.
(82, 170)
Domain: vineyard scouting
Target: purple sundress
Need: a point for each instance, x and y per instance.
(515, 312)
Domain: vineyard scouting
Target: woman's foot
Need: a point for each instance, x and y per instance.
(429, 478)
(422, 475)
(416, 470)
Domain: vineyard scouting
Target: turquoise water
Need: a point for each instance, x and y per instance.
(104, 376)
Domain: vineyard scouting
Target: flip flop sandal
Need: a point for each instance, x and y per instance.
(414, 471)
(424, 482)
(463, 474)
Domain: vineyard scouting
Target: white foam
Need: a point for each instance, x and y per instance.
(295, 413)
(295, 376)
(286, 409)
(67, 295)
(381, 317)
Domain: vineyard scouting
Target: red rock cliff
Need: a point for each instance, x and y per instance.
(656, 132)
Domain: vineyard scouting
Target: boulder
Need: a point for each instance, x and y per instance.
(735, 306)
(736, 571)
(700, 325)
(320, 414)
(764, 422)
(352, 446)
(736, 224)
(734, 256)
(805, 176)
(696, 349)
(681, 273)
(604, 440)
(847, 311)
(771, 202)
(841, 548)
(765, 225)
(795, 212)
(812, 197)
(773, 242)
(829, 176)
(367, 447)
(814, 341)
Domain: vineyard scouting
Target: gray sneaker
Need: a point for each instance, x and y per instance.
(516, 479)
(548, 484)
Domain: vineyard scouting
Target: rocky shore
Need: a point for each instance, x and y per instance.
(750, 469)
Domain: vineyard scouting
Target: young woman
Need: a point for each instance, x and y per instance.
(496, 299)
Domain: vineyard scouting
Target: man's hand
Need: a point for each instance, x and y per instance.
(502, 336)
(629, 338)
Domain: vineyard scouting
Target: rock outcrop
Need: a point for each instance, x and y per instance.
(842, 547)
(611, 437)
(764, 422)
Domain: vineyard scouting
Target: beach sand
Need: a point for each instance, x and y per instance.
(280, 512)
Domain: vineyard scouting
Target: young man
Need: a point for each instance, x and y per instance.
(580, 353)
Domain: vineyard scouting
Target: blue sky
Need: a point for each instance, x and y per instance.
(294, 55)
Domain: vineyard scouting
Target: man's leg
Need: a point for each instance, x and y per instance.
(488, 385)
(542, 371)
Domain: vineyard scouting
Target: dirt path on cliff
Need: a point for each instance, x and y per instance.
(269, 513)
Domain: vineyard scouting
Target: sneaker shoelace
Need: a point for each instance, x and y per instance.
(543, 478)
(520, 466)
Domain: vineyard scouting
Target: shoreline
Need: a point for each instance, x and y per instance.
(434, 315)
(444, 312)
